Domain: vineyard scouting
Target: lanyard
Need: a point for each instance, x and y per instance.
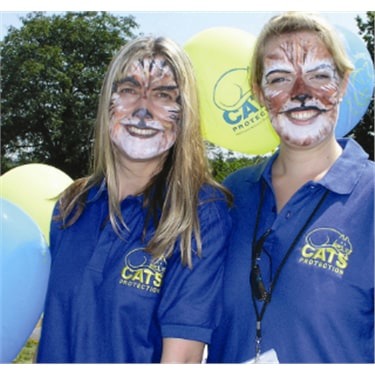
(260, 314)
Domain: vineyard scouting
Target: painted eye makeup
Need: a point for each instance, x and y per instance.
(321, 75)
(278, 79)
(277, 76)
(127, 90)
(166, 94)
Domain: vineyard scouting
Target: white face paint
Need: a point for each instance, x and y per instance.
(301, 88)
(145, 110)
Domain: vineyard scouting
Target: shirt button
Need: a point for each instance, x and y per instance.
(288, 215)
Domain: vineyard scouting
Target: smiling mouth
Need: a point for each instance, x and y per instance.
(303, 115)
(141, 132)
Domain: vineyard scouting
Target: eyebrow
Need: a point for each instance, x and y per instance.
(128, 79)
(167, 88)
(277, 71)
(321, 66)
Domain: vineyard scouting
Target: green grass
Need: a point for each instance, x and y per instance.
(27, 353)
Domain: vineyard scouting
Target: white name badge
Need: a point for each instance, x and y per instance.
(270, 356)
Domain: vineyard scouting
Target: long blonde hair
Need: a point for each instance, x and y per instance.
(175, 189)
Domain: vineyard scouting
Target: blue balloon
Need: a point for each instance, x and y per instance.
(361, 84)
(24, 264)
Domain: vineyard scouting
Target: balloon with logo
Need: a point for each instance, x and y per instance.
(24, 265)
(361, 83)
(34, 188)
(230, 116)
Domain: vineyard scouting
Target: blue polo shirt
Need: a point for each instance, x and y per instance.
(322, 306)
(107, 302)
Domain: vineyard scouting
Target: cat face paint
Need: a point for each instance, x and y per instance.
(145, 111)
(301, 88)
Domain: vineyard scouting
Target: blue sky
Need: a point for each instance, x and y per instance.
(182, 25)
(164, 17)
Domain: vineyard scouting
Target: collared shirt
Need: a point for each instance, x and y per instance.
(108, 302)
(322, 306)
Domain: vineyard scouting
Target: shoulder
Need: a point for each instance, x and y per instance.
(366, 178)
(355, 159)
(208, 191)
(369, 170)
(213, 202)
(245, 176)
(75, 198)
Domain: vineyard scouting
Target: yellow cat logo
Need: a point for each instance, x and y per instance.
(142, 272)
(327, 248)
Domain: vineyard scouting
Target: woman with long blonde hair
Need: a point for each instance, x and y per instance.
(138, 245)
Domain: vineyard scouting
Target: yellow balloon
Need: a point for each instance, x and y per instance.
(35, 188)
(230, 116)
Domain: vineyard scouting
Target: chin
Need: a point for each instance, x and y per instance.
(305, 142)
(302, 137)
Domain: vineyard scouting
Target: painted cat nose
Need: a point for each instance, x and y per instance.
(142, 114)
(301, 98)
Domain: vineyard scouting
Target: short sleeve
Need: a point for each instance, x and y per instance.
(190, 305)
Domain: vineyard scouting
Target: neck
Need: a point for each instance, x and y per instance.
(294, 167)
(311, 164)
(133, 176)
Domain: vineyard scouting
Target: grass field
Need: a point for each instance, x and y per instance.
(26, 355)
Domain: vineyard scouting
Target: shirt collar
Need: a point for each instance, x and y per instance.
(101, 190)
(341, 178)
(96, 192)
(345, 173)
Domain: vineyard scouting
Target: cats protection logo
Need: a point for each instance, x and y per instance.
(143, 273)
(232, 96)
(230, 116)
(328, 249)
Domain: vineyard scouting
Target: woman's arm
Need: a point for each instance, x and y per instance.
(182, 351)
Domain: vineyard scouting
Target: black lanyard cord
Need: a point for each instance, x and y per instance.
(278, 271)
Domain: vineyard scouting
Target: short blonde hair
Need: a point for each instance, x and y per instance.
(295, 22)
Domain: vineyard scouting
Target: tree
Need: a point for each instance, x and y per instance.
(223, 161)
(52, 70)
(364, 131)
